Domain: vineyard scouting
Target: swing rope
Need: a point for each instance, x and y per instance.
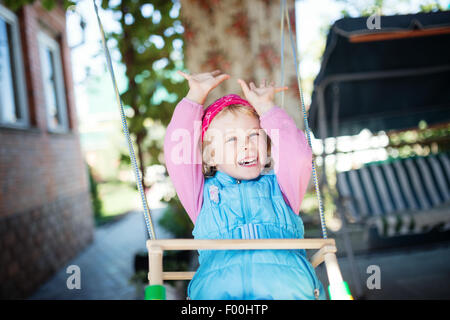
(147, 216)
(285, 13)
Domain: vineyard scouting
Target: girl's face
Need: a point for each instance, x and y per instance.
(238, 145)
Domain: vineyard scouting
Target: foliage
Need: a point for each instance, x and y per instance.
(420, 141)
(430, 7)
(95, 198)
(47, 4)
(364, 9)
(118, 198)
(149, 42)
(367, 8)
(110, 200)
(176, 221)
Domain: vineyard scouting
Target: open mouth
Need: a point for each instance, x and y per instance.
(248, 162)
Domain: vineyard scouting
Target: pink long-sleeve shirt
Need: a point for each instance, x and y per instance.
(183, 155)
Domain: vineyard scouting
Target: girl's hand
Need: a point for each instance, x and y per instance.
(201, 84)
(261, 98)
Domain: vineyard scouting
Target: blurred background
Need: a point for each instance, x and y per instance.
(375, 78)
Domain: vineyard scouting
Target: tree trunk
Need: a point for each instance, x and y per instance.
(241, 38)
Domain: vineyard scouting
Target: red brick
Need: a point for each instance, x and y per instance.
(42, 175)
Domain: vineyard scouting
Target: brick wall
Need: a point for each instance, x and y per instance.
(45, 211)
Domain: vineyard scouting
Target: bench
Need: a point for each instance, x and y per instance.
(398, 197)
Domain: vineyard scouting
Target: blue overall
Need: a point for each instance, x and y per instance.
(250, 209)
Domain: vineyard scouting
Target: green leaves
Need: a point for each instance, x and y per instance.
(48, 4)
(146, 47)
(15, 5)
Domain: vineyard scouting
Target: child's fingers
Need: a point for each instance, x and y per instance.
(252, 86)
(243, 86)
(222, 78)
(216, 72)
(262, 83)
(184, 75)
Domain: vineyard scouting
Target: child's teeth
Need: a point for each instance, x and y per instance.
(246, 163)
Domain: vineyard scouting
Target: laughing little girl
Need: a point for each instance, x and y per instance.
(241, 169)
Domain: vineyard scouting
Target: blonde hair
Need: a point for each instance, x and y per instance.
(235, 109)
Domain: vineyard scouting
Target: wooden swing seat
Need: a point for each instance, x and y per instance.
(326, 249)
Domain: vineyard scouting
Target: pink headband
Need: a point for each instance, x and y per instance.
(217, 106)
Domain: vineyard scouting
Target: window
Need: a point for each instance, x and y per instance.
(13, 99)
(53, 83)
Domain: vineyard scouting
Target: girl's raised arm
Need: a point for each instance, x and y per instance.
(291, 153)
(182, 154)
(290, 149)
(182, 143)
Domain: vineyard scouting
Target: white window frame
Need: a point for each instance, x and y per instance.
(47, 42)
(19, 81)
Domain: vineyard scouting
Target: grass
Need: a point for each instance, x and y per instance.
(117, 199)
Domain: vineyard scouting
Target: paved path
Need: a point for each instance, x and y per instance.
(107, 265)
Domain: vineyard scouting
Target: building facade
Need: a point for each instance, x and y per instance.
(45, 208)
